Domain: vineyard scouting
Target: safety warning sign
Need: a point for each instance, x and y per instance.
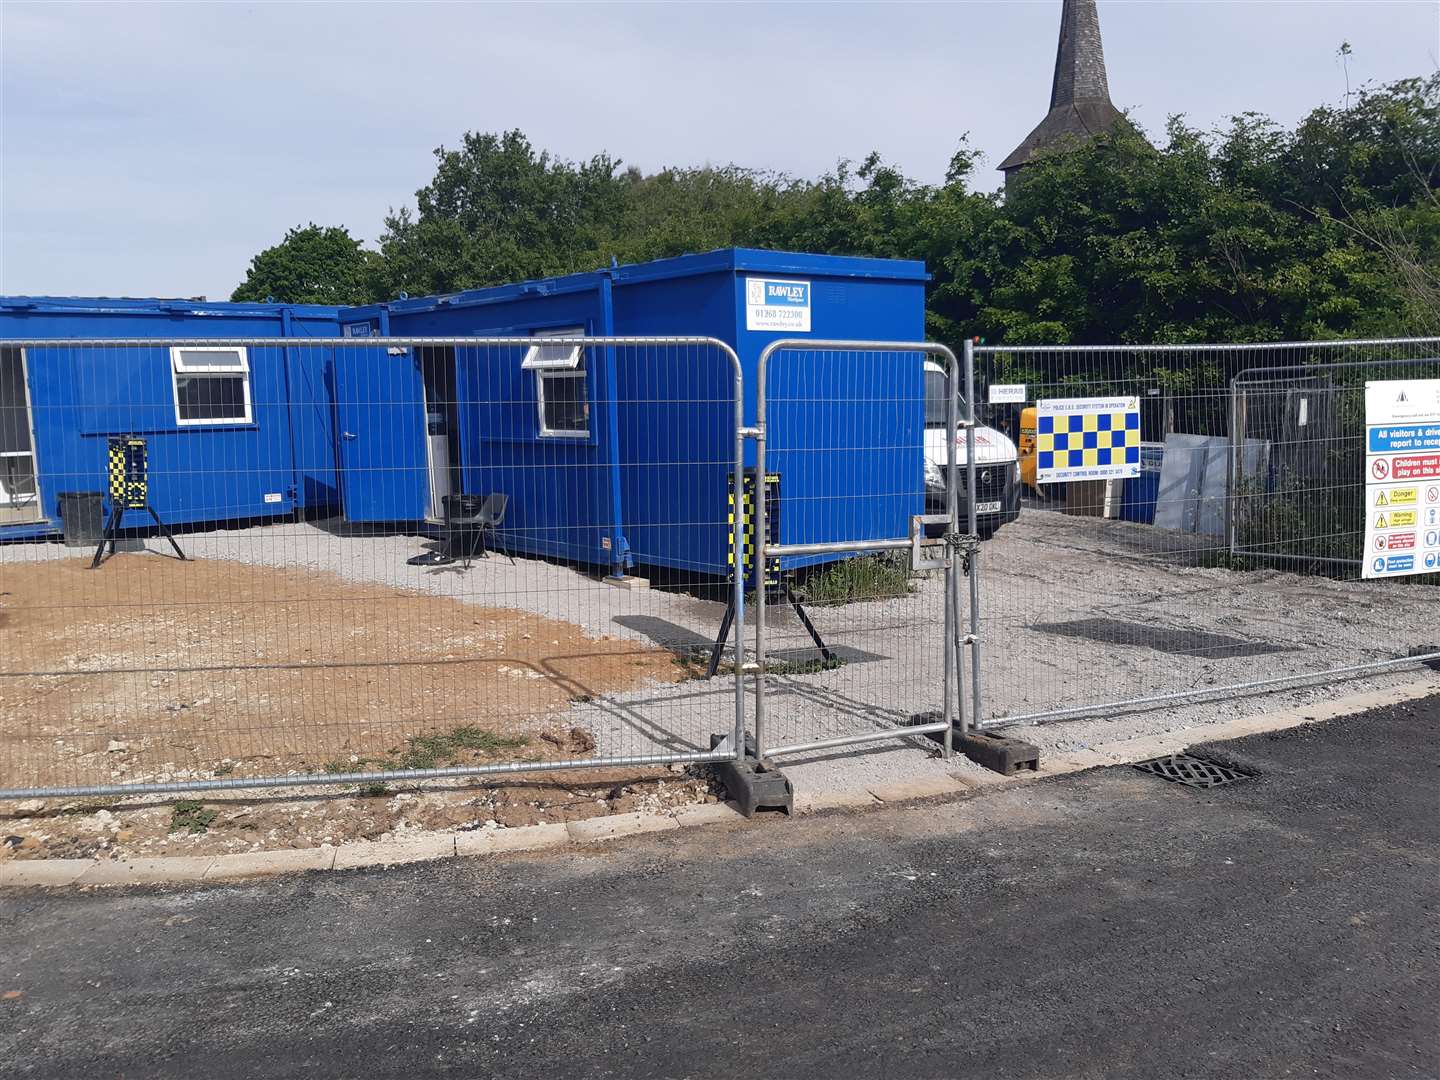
(1402, 477)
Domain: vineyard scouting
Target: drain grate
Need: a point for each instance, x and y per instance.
(1191, 771)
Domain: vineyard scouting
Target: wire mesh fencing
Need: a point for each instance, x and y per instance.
(1191, 525)
(856, 625)
(262, 562)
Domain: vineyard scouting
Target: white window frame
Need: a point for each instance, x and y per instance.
(558, 362)
(183, 362)
(9, 500)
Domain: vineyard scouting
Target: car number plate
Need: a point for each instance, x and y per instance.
(988, 507)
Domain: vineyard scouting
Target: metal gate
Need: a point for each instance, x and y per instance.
(841, 431)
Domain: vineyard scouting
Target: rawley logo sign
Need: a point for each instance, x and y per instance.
(773, 304)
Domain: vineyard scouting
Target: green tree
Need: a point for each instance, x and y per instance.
(313, 264)
(1251, 232)
(496, 211)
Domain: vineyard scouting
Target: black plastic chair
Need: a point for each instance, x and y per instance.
(469, 523)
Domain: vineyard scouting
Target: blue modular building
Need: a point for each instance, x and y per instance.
(613, 456)
(231, 434)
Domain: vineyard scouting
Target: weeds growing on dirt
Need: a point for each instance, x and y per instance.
(869, 577)
(432, 751)
(187, 815)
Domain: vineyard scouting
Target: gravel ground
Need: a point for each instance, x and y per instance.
(1043, 570)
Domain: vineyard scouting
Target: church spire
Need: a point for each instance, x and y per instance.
(1080, 105)
(1080, 57)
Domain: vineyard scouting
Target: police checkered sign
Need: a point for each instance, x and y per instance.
(1087, 439)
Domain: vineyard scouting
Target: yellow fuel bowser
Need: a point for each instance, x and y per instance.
(1027, 446)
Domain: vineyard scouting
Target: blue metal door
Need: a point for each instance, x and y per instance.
(380, 416)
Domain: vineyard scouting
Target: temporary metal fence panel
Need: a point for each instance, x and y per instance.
(403, 558)
(1226, 563)
(852, 644)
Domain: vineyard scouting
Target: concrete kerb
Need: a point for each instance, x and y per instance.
(423, 846)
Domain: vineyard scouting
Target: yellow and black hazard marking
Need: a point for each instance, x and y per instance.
(129, 468)
(749, 552)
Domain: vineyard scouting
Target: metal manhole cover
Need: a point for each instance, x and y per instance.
(1191, 771)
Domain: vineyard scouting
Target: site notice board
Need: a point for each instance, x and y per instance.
(1402, 478)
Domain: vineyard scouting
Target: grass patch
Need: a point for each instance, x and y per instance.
(189, 816)
(885, 576)
(433, 751)
(804, 667)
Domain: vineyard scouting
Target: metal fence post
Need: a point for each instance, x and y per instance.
(1236, 474)
(760, 533)
(952, 614)
(972, 528)
(737, 549)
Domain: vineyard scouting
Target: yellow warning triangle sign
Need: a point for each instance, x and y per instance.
(1381, 500)
(1380, 521)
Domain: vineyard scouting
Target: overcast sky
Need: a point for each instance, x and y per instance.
(151, 149)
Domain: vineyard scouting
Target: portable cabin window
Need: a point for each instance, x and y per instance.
(562, 389)
(212, 384)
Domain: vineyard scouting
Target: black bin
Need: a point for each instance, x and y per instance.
(81, 513)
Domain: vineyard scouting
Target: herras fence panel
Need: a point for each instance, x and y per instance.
(468, 600)
(1211, 549)
(853, 643)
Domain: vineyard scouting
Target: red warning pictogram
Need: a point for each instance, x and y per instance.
(1380, 469)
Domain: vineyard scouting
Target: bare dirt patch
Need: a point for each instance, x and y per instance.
(210, 825)
(154, 669)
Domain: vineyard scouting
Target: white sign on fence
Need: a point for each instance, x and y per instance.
(1087, 439)
(1007, 393)
(1402, 478)
(771, 304)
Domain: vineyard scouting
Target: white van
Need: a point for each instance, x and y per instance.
(997, 465)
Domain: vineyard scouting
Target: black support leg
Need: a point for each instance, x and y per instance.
(724, 633)
(809, 626)
(108, 536)
(165, 529)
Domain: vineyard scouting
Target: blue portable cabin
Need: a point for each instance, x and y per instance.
(645, 478)
(416, 428)
(242, 435)
(838, 426)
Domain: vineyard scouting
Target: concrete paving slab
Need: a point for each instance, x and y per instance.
(809, 802)
(925, 787)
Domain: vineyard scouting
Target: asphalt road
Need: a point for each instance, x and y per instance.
(1100, 925)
